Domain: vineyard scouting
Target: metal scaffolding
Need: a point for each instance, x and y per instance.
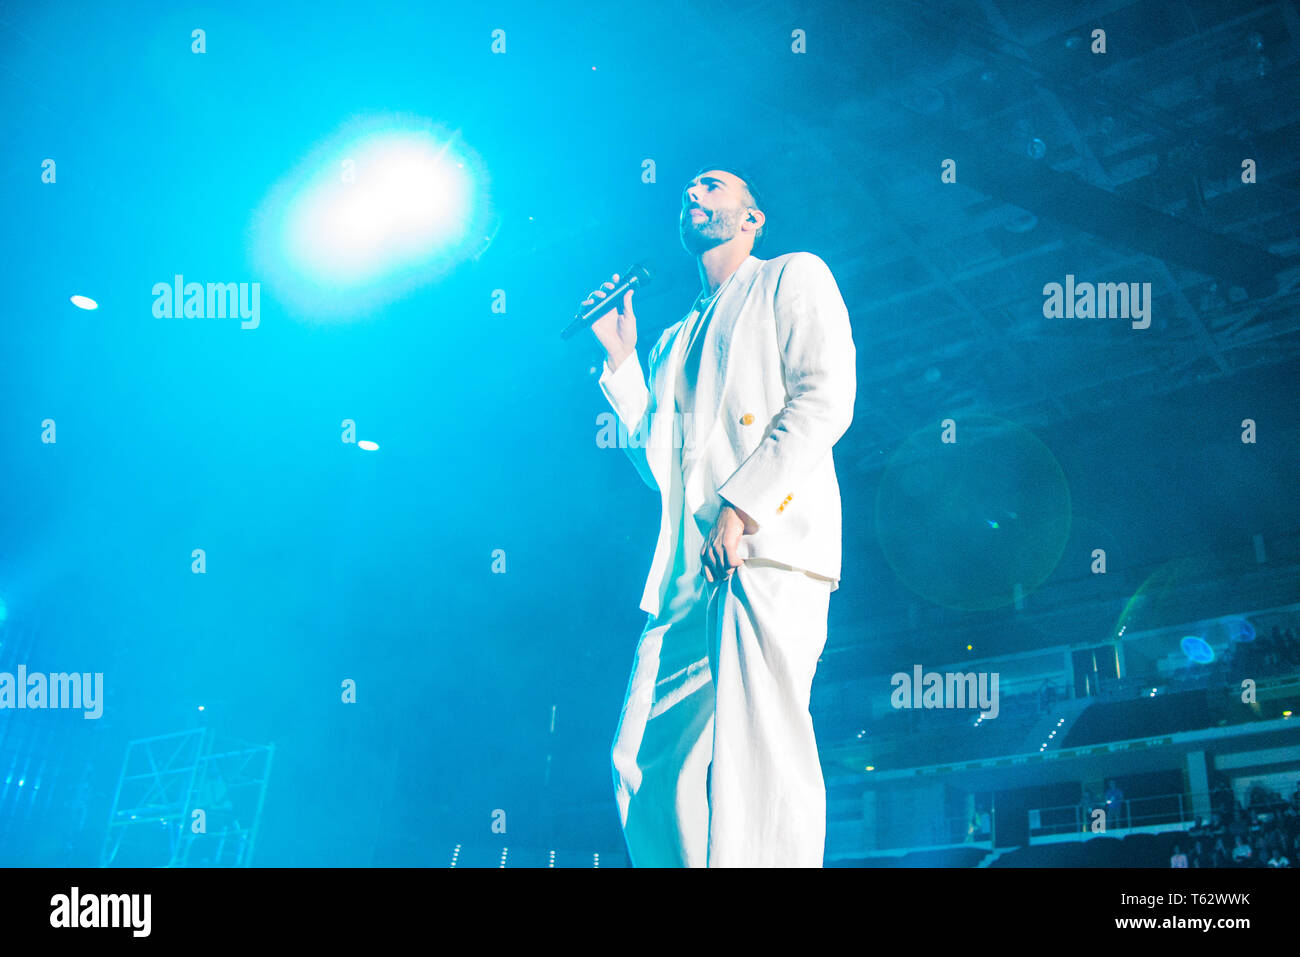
(187, 799)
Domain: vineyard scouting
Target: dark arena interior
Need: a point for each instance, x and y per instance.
(346, 575)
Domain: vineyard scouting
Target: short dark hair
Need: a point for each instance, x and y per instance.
(755, 196)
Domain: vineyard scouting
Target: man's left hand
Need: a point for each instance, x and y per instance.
(720, 555)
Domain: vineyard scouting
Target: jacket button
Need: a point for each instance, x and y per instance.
(747, 419)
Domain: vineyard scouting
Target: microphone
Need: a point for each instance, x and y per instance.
(636, 276)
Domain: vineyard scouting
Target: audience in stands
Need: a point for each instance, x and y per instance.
(1221, 794)
(1221, 856)
(1114, 805)
(1088, 806)
(1275, 839)
(1280, 650)
(1239, 822)
(981, 825)
(1047, 695)
(1277, 652)
(1261, 852)
(1241, 852)
(1264, 830)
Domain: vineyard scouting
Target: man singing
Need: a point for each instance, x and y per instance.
(715, 763)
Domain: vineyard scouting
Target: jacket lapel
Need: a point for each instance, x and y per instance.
(659, 448)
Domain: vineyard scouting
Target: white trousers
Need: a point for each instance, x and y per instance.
(715, 762)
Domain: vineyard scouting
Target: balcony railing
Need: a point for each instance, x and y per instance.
(1161, 809)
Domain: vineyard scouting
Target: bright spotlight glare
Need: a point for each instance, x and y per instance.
(83, 302)
(406, 198)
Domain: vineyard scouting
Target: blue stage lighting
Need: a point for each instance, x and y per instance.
(384, 206)
(394, 201)
(1197, 649)
(1239, 629)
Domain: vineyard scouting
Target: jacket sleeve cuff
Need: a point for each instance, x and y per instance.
(748, 501)
(626, 390)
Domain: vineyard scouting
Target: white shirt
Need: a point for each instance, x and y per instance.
(697, 327)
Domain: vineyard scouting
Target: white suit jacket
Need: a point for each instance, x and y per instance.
(774, 393)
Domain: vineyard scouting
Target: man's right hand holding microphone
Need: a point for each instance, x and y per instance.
(616, 329)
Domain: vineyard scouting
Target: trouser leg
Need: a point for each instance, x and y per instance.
(663, 745)
(767, 628)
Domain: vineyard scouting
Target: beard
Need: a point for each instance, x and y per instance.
(718, 226)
